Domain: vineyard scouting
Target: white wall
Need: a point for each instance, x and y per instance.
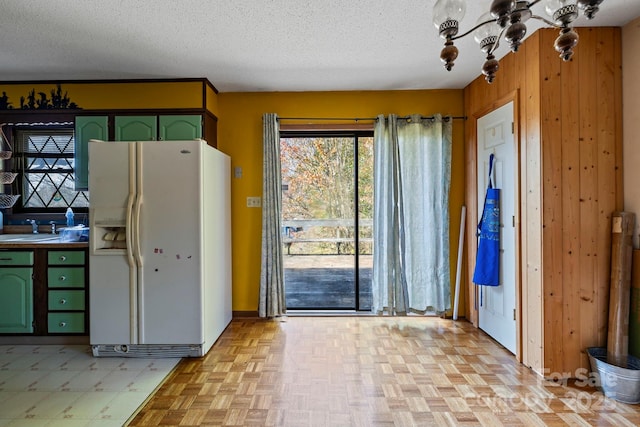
(631, 120)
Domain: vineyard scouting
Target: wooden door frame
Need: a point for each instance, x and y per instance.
(472, 202)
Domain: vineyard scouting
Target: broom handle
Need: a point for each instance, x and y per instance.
(459, 265)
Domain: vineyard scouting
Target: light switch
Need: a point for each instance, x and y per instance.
(237, 172)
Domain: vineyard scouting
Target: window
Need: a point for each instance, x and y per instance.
(45, 160)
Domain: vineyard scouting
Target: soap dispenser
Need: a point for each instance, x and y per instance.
(69, 216)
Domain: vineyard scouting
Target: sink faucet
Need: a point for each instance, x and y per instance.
(34, 225)
(53, 227)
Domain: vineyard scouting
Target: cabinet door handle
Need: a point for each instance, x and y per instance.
(63, 301)
(62, 278)
(62, 324)
(62, 258)
(6, 259)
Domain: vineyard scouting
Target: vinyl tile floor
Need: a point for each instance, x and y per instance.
(54, 385)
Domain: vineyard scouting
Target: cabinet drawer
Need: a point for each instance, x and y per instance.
(66, 300)
(65, 277)
(68, 323)
(65, 257)
(16, 258)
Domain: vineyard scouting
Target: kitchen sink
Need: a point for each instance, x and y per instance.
(26, 238)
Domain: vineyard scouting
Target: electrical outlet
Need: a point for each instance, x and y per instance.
(254, 202)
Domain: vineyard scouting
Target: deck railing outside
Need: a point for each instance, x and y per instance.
(326, 236)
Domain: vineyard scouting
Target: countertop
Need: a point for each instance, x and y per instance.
(43, 245)
(44, 233)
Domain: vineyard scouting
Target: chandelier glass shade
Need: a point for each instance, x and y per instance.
(506, 19)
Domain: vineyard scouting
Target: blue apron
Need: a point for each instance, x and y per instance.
(487, 271)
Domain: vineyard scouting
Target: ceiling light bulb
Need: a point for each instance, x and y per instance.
(550, 6)
(563, 12)
(448, 10)
(487, 34)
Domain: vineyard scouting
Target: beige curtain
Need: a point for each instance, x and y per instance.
(272, 295)
(412, 177)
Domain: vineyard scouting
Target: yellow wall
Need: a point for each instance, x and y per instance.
(240, 136)
(117, 95)
(212, 100)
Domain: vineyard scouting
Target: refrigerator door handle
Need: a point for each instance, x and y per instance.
(137, 206)
(129, 227)
(136, 230)
(133, 275)
(136, 242)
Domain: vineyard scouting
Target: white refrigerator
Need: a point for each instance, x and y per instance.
(160, 248)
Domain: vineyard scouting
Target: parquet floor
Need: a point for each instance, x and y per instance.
(368, 371)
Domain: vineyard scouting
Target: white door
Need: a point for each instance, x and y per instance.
(497, 304)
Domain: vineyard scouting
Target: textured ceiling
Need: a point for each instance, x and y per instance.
(247, 45)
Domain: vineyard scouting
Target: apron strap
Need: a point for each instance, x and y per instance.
(491, 159)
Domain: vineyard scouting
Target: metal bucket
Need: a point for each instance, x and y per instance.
(621, 384)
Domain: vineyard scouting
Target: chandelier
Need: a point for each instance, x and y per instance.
(506, 18)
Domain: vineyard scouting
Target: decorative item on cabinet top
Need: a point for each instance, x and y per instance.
(40, 101)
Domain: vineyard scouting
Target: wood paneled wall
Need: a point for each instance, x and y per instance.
(569, 129)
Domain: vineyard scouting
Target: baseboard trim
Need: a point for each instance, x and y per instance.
(244, 314)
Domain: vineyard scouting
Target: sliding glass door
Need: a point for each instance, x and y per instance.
(327, 206)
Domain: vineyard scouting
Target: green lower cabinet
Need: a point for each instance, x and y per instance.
(66, 300)
(65, 323)
(66, 277)
(16, 300)
(66, 292)
(65, 257)
(16, 258)
(43, 292)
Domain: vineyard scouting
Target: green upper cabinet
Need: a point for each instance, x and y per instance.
(87, 127)
(136, 128)
(176, 128)
(170, 127)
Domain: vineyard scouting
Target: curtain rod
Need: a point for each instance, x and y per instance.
(369, 119)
